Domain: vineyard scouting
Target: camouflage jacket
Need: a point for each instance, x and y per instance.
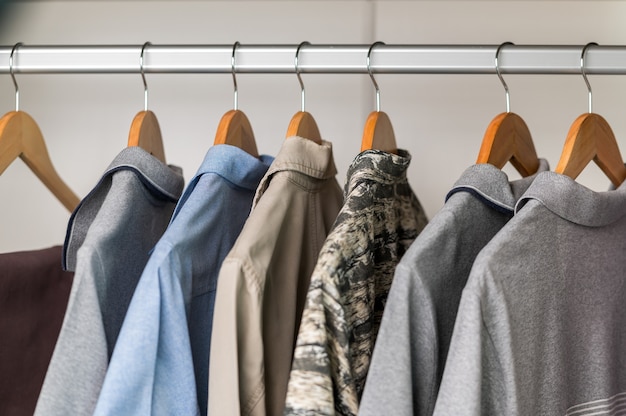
(380, 219)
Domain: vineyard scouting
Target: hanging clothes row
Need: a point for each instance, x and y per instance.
(260, 287)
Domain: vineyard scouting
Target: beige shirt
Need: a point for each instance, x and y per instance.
(263, 282)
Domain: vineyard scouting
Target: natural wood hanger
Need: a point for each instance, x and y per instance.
(21, 137)
(144, 130)
(378, 131)
(590, 138)
(146, 133)
(234, 127)
(507, 138)
(303, 124)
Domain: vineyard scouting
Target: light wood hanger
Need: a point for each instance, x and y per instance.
(234, 127)
(144, 130)
(507, 138)
(590, 138)
(378, 131)
(21, 137)
(303, 124)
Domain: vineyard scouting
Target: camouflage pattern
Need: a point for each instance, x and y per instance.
(349, 286)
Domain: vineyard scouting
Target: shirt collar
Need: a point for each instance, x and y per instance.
(235, 165)
(163, 182)
(378, 166)
(231, 163)
(574, 202)
(492, 187)
(313, 161)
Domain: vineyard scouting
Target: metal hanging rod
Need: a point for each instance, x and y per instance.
(332, 59)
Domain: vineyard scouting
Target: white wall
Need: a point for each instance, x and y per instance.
(440, 119)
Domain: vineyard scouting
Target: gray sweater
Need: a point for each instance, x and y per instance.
(108, 243)
(541, 328)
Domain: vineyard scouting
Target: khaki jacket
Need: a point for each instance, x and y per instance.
(264, 280)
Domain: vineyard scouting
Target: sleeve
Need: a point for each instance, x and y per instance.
(151, 370)
(236, 381)
(79, 361)
(401, 378)
(473, 383)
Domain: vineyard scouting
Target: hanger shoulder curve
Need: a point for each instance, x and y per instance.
(378, 133)
(145, 132)
(235, 129)
(590, 138)
(21, 137)
(507, 139)
(303, 124)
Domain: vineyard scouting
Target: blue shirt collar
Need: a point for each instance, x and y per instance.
(235, 165)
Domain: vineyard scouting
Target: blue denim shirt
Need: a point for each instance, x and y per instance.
(160, 362)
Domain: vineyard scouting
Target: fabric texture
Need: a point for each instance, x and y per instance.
(263, 281)
(109, 237)
(541, 326)
(414, 337)
(34, 291)
(160, 362)
(378, 222)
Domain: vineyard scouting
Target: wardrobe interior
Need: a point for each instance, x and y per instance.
(440, 119)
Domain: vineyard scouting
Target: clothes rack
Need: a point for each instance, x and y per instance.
(346, 59)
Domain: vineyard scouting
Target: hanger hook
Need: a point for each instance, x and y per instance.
(506, 87)
(369, 70)
(143, 76)
(17, 88)
(298, 72)
(582, 70)
(232, 65)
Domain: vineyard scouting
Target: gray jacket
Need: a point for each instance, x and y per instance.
(108, 243)
(541, 328)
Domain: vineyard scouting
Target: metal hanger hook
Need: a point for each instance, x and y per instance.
(302, 93)
(143, 76)
(582, 70)
(369, 70)
(17, 88)
(506, 87)
(232, 65)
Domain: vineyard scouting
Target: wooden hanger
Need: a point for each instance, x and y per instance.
(234, 127)
(144, 130)
(303, 124)
(21, 137)
(507, 138)
(146, 133)
(378, 132)
(590, 138)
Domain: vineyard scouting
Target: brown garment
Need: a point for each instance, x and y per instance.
(34, 291)
(263, 282)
